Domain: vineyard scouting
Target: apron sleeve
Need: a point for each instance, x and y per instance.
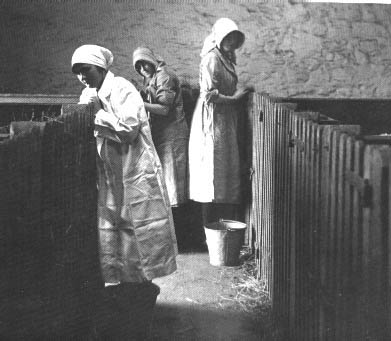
(210, 77)
(166, 89)
(124, 122)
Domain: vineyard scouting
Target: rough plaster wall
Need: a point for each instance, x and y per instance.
(316, 50)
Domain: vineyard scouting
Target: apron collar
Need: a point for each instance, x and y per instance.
(107, 85)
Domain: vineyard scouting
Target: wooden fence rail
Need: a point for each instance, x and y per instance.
(320, 218)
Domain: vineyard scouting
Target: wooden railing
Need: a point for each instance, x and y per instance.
(320, 223)
(48, 238)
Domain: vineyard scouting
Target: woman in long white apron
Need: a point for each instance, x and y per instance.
(214, 164)
(137, 239)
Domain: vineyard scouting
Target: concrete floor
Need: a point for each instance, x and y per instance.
(195, 303)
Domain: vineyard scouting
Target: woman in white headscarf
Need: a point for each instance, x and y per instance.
(137, 238)
(214, 165)
(170, 133)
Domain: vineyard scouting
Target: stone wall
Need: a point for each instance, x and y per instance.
(291, 49)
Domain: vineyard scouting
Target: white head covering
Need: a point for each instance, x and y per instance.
(144, 53)
(92, 54)
(221, 28)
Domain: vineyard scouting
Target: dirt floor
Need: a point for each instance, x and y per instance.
(204, 302)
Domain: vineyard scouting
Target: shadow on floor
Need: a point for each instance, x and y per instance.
(176, 322)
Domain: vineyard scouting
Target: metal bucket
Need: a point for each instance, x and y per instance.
(224, 239)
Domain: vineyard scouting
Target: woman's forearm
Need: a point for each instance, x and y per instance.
(222, 99)
(215, 97)
(157, 109)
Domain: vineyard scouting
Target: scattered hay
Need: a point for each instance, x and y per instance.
(251, 293)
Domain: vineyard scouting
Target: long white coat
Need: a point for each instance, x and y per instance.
(214, 164)
(136, 231)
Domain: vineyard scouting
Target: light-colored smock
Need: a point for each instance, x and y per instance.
(214, 166)
(170, 133)
(137, 238)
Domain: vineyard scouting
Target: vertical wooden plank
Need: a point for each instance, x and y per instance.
(299, 228)
(251, 118)
(260, 184)
(267, 197)
(302, 240)
(376, 161)
(293, 225)
(285, 214)
(366, 245)
(318, 168)
(358, 282)
(332, 231)
(388, 259)
(313, 229)
(304, 294)
(277, 249)
(329, 221)
(276, 182)
(258, 151)
(339, 250)
(326, 305)
(310, 227)
(347, 225)
(287, 209)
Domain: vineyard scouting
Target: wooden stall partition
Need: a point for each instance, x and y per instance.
(23, 255)
(77, 235)
(256, 172)
(375, 241)
(263, 177)
(285, 214)
(292, 209)
(297, 223)
(348, 225)
(317, 168)
(320, 212)
(48, 235)
(304, 168)
(252, 118)
(265, 203)
(356, 293)
(342, 214)
(281, 188)
(310, 276)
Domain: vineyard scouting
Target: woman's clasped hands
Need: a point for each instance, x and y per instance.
(90, 97)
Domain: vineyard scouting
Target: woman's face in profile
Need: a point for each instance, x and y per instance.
(230, 42)
(91, 75)
(146, 69)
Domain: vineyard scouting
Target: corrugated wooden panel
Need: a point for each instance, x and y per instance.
(267, 194)
(294, 153)
(48, 227)
(375, 232)
(247, 169)
(256, 176)
(321, 219)
(358, 329)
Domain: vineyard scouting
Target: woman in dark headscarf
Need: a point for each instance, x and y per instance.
(163, 101)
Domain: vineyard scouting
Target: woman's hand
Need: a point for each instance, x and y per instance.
(240, 93)
(94, 102)
(212, 96)
(90, 96)
(144, 95)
